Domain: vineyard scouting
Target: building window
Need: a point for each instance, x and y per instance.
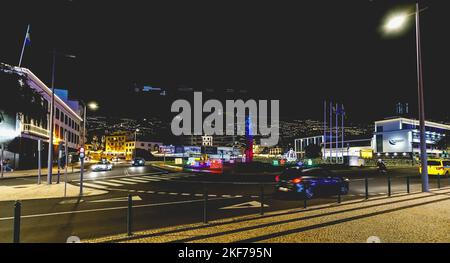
(58, 135)
(57, 114)
(66, 119)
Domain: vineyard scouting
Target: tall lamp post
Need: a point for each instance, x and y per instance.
(395, 24)
(93, 106)
(52, 122)
(135, 143)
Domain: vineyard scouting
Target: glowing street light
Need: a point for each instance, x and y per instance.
(93, 105)
(395, 24)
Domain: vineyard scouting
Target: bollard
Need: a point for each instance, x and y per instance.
(439, 181)
(205, 204)
(261, 212)
(408, 185)
(130, 216)
(366, 185)
(16, 228)
(305, 203)
(389, 185)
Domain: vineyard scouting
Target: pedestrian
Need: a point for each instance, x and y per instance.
(7, 166)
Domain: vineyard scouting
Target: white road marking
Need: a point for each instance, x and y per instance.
(106, 209)
(117, 199)
(108, 183)
(185, 194)
(251, 204)
(120, 181)
(173, 193)
(134, 180)
(94, 185)
(198, 194)
(147, 179)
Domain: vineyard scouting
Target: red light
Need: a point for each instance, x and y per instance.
(296, 180)
(277, 178)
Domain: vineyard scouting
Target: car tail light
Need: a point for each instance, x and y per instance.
(296, 180)
(277, 178)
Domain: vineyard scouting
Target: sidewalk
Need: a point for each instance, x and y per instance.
(43, 191)
(34, 173)
(417, 217)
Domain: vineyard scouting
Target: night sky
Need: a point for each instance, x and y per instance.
(300, 52)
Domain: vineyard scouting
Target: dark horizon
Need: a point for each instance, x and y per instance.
(300, 54)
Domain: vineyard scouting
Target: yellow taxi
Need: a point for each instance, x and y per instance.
(438, 167)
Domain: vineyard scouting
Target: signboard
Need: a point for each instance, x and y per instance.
(179, 149)
(178, 160)
(209, 150)
(397, 142)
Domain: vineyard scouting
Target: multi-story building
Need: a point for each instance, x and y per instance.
(399, 136)
(27, 131)
(115, 143)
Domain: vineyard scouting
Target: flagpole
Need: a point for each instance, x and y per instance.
(337, 132)
(324, 130)
(331, 132)
(24, 43)
(342, 122)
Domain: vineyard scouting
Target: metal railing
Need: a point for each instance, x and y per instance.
(403, 182)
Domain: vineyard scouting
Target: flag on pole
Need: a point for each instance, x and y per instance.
(26, 42)
(28, 39)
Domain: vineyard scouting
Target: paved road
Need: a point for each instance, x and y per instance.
(164, 199)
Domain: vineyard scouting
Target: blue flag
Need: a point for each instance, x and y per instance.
(28, 39)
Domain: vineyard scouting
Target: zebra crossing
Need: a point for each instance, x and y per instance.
(133, 180)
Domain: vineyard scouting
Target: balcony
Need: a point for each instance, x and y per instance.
(35, 130)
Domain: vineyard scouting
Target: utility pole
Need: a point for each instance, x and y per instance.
(66, 152)
(423, 146)
(50, 141)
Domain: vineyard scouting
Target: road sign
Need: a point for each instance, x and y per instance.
(251, 204)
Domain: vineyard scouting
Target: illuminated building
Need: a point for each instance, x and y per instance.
(26, 131)
(401, 135)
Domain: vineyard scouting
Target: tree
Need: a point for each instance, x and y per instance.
(444, 142)
(19, 98)
(313, 151)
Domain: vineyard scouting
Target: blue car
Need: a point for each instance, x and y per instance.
(310, 182)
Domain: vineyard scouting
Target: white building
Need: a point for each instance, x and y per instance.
(401, 136)
(27, 131)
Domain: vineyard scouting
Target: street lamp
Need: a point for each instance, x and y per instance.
(52, 121)
(93, 106)
(135, 143)
(395, 24)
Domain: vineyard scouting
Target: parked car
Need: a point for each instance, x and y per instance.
(310, 182)
(437, 167)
